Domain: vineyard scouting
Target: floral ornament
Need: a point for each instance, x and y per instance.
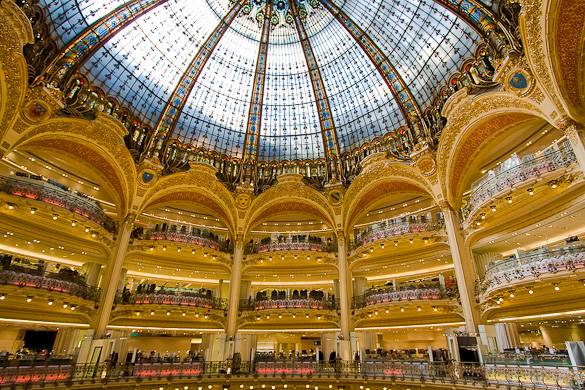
(282, 14)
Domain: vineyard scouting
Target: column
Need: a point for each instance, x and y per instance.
(576, 135)
(122, 280)
(235, 285)
(219, 289)
(344, 298)
(464, 268)
(360, 285)
(112, 276)
(507, 336)
(92, 273)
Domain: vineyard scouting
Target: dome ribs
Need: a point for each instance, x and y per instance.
(174, 106)
(78, 51)
(402, 94)
(250, 150)
(328, 132)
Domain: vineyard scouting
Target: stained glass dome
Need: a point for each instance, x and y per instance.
(282, 80)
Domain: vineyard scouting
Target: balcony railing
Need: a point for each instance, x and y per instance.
(50, 282)
(187, 238)
(289, 303)
(375, 297)
(56, 196)
(170, 297)
(532, 266)
(253, 248)
(480, 375)
(394, 230)
(531, 167)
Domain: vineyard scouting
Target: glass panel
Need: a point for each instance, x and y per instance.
(216, 112)
(363, 106)
(290, 124)
(425, 41)
(142, 64)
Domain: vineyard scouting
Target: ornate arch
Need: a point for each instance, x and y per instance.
(15, 32)
(471, 121)
(287, 196)
(377, 179)
(97, 144)
(554, 33)
(198, 186)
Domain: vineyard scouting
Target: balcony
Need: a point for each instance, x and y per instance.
(515, 171)
(313, 302)
(385, 230)
(388, 295)
(204, 239)
(58, 195)
(384, 372)
(62, 282)
(175, 297)
(294, 243)
(530, 267)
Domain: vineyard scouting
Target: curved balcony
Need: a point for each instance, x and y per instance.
(381, 296)
(386, 231)
(289, 303)
(62, 283)
(57, 195)
(312, 244)
(188, 238)
(530, 267)
(503, 178)
(173, 297)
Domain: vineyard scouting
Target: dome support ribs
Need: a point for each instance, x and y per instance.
(408, 105)
(74, 55)
(255, 112)
(168, 119)
(484, 22)
(328, 132)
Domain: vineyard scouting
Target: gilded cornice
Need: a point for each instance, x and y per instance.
(534, 22)
(15, 32)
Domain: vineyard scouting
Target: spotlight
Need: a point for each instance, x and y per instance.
(73, 307)
(168, 313)
(74, 223)
(29, 299)
(493, 208)
(55, 216)
(530, 191)
(482, 215)
(33, 210)
(86, 229)
(509, 199)
(2, 297)
(402, 310)
(152, 312)
(554, 184)
(50, 302)
(11, 206)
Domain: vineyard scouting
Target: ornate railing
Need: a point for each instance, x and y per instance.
(375, 297)
(492, 184)
(253, 248)
(178, 298)
(50, 282)
(532, 266)
(289, 303)
(187, 238)
(486, 375)
(56, 196)
(399, 229)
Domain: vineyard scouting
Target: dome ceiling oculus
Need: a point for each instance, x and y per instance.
(268, 79)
